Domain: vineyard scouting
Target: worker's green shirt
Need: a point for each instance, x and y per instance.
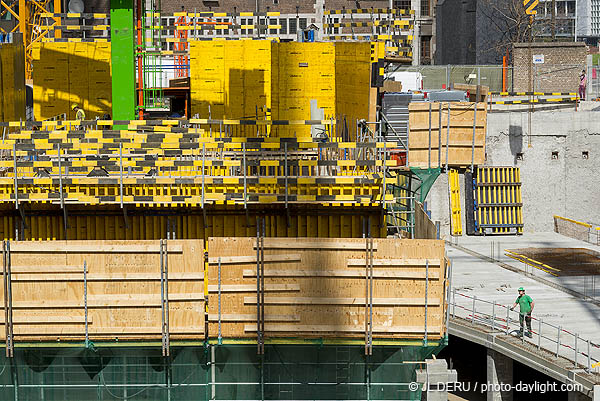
(524, 303)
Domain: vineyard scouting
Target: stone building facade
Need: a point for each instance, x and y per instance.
(559, 72)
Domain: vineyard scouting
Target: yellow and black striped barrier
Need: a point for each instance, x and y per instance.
(532, 101)
(74, 15)
(403, 39)
(74, 40)
(393, 11)
(394, 23)
(211, 14)
(75, 27)
(197, 121)
(533, 93)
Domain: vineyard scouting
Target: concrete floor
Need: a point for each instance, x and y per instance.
(487, 280)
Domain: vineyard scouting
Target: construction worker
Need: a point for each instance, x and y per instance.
(526, 305)
(79, 113)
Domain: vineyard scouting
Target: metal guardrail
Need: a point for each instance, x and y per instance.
(545, 336)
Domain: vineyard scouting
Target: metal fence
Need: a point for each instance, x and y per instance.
(546, 336)
(593, 82)
(443, 76)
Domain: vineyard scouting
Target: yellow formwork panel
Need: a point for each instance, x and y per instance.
(12, 82)
(67, 73)
(147, 224)
(231, 80)
(499, 206)
(455, 209)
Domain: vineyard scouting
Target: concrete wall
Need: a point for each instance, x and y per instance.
(568, 185)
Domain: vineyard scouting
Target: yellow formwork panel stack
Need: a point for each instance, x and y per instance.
(67, 73)
(270, 80)
(352, 81)
(231, 80)
(306, 71)
(147, 224)
(12, 82)
(455, 210)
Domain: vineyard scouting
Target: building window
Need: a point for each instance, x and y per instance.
(293, 25)
(303, 23)
(425, 8)
(335, 31)
(402, 4)
(283, 23)
(273, 21)
(425, 49)
(246, 21)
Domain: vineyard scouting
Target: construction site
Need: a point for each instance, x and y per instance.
(252, 202)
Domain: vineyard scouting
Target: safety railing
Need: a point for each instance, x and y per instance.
(549, 337)
(577, 229)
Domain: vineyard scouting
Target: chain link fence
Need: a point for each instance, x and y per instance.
(443, 76)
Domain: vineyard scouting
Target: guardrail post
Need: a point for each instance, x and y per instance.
(454, 302)
(576, 353)
(507, 320)
(539, 333)
(589, 357)
(493, 315)
(473, 314)
(558, 341)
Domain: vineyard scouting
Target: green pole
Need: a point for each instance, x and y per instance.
(123, 66)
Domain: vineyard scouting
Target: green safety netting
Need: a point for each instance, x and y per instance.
(426, 178)
(221, 372)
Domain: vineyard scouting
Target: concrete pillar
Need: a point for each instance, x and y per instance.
(499, 373)
(435, 378)
(577, 396)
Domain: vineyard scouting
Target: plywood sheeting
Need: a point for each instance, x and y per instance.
(321, 284)
(123, 289)
(424, 144)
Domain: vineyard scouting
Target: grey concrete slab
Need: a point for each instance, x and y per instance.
(475, 277)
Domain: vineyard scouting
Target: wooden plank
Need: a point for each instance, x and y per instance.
(394, 262)
(123, 332)
(48, 319)
(108, 301)
(116, 277)
(343, 273)
(240, 317)
(272, 243)
(225, 260)
(300, 328)
(73, 247)
(41, 269)
(341, 301)
(252, 287)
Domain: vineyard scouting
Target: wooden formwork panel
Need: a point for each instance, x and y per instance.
(317, 288)
(123, 289)
(424, 143)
